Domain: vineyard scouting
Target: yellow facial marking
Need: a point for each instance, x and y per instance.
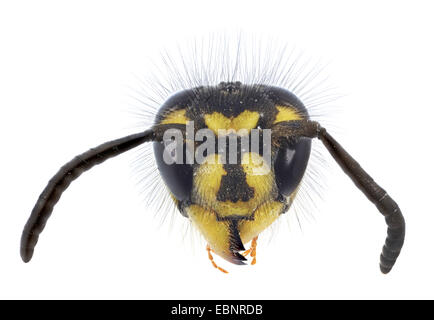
(258, 175)
(177, 116)
(245, 120)
(206, 184)
(265, 215)
(207, 181)
(216, 233)
(239, 208)
(260, 178)
(287, 114)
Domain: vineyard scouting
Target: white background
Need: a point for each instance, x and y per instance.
(63, 70)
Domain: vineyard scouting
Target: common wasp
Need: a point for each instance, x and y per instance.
(233, 156)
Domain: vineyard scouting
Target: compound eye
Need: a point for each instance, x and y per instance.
(177, 176)
(290, 165)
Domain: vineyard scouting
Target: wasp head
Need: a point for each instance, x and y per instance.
(224, 171)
